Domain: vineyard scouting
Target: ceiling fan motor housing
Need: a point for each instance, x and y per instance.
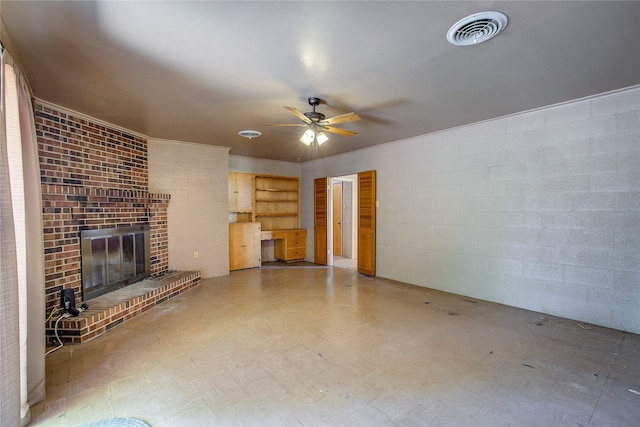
(314, 116)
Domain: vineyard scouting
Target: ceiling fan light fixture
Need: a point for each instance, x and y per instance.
(316, 124)
(321, 138)
(307, 137)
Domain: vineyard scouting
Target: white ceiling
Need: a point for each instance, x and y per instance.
(202, 71)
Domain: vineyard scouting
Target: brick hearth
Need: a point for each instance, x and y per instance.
(115, 308)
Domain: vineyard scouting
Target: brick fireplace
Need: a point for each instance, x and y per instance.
(93, 176)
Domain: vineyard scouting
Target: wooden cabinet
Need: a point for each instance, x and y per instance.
(273, 204)
(244, 245)
(277, 202)
(290, 245)
(240, 192)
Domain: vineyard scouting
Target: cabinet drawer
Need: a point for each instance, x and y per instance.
(279, 235)
(296, 253)
(296, 242)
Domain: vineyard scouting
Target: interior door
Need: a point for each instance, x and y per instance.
(347, 219)
(320, 218)
(336, 211)
(367, 223)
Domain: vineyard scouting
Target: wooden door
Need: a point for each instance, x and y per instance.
(253, 247)
(236, 246)
(233, 190)
(244, 245)
(347, 219)
(336, 210)
(240, 192)
(367, 223)
(244, 185)
(320, 218)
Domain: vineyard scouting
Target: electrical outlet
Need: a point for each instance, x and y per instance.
(196, 254)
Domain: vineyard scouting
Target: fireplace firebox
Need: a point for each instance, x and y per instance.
(113, 258)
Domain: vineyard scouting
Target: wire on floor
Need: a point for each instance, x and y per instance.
(55, 328)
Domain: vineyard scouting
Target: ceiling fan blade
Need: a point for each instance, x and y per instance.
(298, 114)
(339, 131)
(342, 118)
(285, 124)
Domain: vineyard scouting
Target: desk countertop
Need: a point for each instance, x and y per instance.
(279, 234)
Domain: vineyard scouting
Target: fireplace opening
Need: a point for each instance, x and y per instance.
(113, 258)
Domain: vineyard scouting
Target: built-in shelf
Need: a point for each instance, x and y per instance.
(272, 200)
(277, 202)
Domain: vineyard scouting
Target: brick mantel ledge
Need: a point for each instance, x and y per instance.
(102, 192)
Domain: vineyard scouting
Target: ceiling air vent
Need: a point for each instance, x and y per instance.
(249, 133)
(477, 28)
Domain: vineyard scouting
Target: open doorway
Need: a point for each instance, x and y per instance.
(343, 222)
(365, 224)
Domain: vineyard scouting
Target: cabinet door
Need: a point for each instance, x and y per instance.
(236, 243)
(253, 247)
(244, 245)
(240, 192)
(244, 185)
(232, 192)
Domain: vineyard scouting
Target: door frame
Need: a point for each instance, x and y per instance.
(353, 178)
(328, 243)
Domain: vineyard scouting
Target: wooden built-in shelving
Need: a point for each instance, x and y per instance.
(274, 203)
(277, 202)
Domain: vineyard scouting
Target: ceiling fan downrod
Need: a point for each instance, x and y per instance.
(313, 115)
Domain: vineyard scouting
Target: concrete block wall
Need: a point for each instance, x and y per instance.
(263, 166)
(196, 177)
(539, 210)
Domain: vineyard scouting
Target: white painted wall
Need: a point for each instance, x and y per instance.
(195, 175)
(539, 210)
(263, 166)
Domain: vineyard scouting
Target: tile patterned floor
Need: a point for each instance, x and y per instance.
(328, 347)
(348, 263)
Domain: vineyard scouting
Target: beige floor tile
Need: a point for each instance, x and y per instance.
(316, 346)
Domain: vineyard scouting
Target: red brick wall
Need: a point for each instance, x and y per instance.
(92, 176)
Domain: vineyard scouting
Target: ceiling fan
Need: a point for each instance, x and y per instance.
(317, 124)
